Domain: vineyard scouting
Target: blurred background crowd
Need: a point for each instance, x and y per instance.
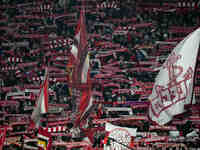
(128, 42)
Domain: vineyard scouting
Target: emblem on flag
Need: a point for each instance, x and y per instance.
(176, 90)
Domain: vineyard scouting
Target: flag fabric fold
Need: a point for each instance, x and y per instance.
(173, 86)
(42, 102)
(81, 32)
(85, 105)
(85, 74)
(78, 52)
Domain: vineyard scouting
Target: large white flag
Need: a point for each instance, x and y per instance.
(42, 102)
(174, 84)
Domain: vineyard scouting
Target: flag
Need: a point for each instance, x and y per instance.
(70, 65)
(173, 86)
(81, 32)
(119, 134)
(74, 56)
(110, 128)
(85, 105)
(2, 137)
(82, 53)
(86, 100)
(42, 102)
(85, 74)
(81, 72)
(44, 139)
(78, 51)
(74, 51)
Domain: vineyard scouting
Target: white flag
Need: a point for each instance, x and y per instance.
(42, 102)
(110, 128)
(174, 84)
(119, 136)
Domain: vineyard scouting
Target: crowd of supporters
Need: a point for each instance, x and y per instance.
(128, 42)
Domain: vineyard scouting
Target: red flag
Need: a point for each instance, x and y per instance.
(81, 72)
(86, 101)
(44, 139)
(81, 33)
(2, 136)
(78, 51)
(81, 38)
(42, 102)
(85, 105)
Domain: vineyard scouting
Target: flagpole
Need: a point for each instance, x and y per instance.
(48, 93)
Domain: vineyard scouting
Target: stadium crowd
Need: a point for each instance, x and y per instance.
(128, 40)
